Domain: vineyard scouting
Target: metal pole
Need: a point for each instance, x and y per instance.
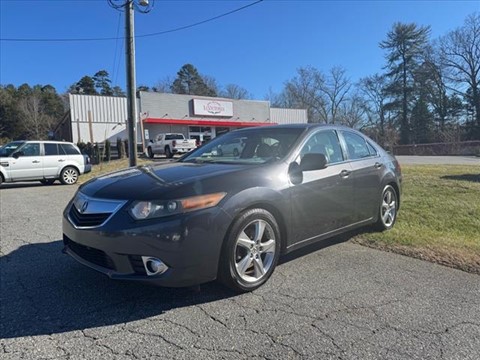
(131, 86)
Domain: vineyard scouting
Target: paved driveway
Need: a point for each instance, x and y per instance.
(338, 301)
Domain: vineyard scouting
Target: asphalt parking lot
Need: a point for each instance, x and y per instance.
(337, 301)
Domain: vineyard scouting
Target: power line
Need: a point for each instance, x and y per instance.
(116, 47)
(138, 36)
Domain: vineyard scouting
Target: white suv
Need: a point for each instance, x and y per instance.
(45, 161)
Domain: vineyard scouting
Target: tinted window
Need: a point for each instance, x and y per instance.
(356, 146)
(30, 149)
(69, 149)
(174, 137)
(50, 149)
(326, 143)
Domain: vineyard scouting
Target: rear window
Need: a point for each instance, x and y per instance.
(174, 137)
(69, 149)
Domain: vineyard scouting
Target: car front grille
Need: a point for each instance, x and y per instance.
(87, 220)
(94, 256)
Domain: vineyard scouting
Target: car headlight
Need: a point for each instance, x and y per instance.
(141, 210)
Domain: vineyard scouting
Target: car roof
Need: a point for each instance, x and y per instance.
(304, 126)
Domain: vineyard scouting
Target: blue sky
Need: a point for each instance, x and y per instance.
(258, 48)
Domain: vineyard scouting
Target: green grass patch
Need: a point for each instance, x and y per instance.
(439, 218)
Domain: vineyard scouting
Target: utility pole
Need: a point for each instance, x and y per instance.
(144, 6)
(131, 85)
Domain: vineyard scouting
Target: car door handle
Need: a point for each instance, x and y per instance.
(345, 173)
(61, 160)
(378, 165)
(36, 161)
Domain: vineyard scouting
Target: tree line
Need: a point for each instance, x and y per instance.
(428, 91)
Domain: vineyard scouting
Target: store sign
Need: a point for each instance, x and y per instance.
(212, 108)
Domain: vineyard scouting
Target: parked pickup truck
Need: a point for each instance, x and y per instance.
(170, 144)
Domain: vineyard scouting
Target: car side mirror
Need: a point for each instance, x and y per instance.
(17, 154)
(313, 161)
(295, 173)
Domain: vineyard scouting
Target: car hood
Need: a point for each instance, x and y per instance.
(163, 181)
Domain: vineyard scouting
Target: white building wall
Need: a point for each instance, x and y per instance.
(288, 116)
(96, 118)
(106, 116)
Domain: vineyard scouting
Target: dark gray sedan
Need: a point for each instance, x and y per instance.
(229, 216)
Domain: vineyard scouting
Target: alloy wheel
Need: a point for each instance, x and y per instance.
(255, 250)
(388, 210)
(70, 176)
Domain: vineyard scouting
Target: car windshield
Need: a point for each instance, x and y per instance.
(8, 149)
(250, 146)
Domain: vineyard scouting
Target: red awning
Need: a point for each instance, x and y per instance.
(204, 122)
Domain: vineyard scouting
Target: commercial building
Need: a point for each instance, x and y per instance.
(94, 118)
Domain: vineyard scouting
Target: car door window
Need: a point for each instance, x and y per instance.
(50, 149)
(31, 149)
(356, 146)
(372, 150)
(326, 143)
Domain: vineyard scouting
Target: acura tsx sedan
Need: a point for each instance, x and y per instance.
(230, 216)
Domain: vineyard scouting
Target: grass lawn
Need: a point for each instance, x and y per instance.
(439, 217)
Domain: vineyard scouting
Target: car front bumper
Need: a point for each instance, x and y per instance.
(189, 244)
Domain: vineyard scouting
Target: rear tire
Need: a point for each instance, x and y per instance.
(250, 252)
(150, 152)
(69, 176)
(168, 153)
(388, 209)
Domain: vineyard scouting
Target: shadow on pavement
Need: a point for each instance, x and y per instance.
(6, 186)
(43, 291)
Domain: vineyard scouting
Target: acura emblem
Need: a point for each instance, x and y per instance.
(84, 207)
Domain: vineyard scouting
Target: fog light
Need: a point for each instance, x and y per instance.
(153, 266)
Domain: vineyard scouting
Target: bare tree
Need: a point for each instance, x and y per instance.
(335, 89)
(164, 85)
(234, 91)
(460, 53)
(352, 112)
(373, 88)
(36, 122)
(304, 91)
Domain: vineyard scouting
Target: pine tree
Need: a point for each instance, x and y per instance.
(405, 44)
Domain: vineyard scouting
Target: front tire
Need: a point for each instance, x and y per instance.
(168, 153)
(251, 251)
(69, 175)
(388, 209)
(150, 152)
